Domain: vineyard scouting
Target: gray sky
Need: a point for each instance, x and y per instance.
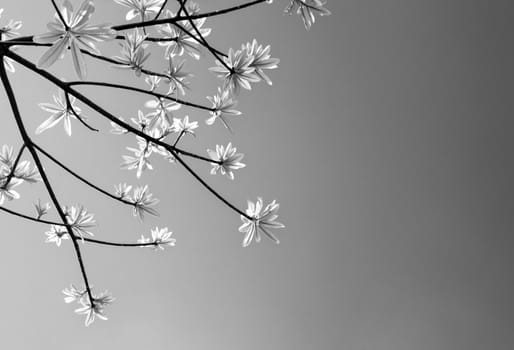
(387, 139)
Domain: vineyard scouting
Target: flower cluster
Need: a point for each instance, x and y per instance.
(9, 30)
(226, 160)
(91, 308)
(179, 38)
(133, 54)
(160, 238)
(181, 34)
(141, 8)
(244, 66)
(141, 199)
(13, 173)
(62, 109)
(306, 9)
(258, 220)
(70, 29)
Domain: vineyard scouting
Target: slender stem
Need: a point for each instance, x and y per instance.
(27, 141)
(182, 18)
(135, 89)
(30, 218)
(66, 27)
(77, 176)
(116, 244)
(202, 40)
(179, 137)
(70, 107)
(161, 9)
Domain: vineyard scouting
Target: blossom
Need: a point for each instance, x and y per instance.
(133, 54)
(61, 110)
(139, 161)
(161, 116)
(141, 8)
(26, 172)
(73, 294)
(79, 220)
(259, 220)
(10, 29)
(175, 76)
(222, 105)
(94, 309)
(306, 9)
(41, 209)
(143, 201)
(7, 188)
(122, 190)
(226, 159)
(74, 33)
(160, 237)
(56, 234)
(180, 41)
(237, 70)
(153, 81)
(184, 126)
(261, 59)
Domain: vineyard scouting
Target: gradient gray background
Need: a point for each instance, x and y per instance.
(387, 138)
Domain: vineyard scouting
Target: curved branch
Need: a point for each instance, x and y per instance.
(77, 176)
(30, 218)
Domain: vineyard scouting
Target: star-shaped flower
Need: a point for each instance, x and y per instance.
(142, 8)
(226, 159)
(94, 309)
(237, 71)
(184, 126)
(306, 9)
(222, 105)
(261, 220)
(60, 111)
(56, 235)
(160, 238)
(74, 33)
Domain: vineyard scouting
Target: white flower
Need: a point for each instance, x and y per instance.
(139, 161)
(306, 9)
(261, 59)
(7, 188)
(79, 220)
(227, 160)
(143, 201)
(176, 76)
(74, 33)
(26, 172)
(261, 220)
(56, 235)
(160, 237)
(122, 190)
(10, 29)
(73, 294)
(184, 126)
(95, 309)
(241, 73)
(133, 54)
(142, 8)
(180, 41)
(60, 111)
(222, 105)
